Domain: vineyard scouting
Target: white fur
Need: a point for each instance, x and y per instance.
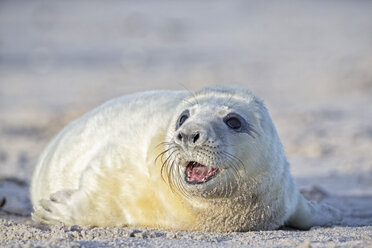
(102, 170)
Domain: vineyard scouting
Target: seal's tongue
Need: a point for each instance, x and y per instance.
(199, 173)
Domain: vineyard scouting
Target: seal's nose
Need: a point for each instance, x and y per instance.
(190, 139)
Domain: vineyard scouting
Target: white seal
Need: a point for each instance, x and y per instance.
(209, 160)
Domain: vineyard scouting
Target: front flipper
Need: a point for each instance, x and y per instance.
(311, 213)
(55, 209)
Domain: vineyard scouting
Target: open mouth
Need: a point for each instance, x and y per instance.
(197, 173)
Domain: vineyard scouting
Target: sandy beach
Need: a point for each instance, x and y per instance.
(310, 61)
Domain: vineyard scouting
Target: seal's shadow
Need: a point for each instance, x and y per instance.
(356, 210)
(14, 197)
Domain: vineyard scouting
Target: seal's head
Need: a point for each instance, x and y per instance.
(217, 142)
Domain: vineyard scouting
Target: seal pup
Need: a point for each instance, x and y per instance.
(209, 161)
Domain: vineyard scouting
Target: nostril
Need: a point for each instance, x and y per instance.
(179, 136)
(196, 137)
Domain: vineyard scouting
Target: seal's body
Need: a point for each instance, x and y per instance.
(209, 161)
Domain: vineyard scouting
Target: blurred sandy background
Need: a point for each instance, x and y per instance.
(311, 62)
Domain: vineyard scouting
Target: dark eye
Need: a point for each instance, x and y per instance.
(182, 120)
(183, 117)
(233, 123)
